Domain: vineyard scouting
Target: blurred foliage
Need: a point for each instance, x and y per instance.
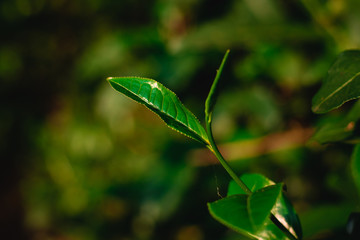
(82, 162)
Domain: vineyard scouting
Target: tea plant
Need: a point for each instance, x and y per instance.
(254, 206)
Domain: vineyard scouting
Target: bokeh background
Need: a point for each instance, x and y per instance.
(80, 161)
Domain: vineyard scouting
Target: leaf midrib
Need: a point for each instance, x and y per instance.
(336, 91)
(171, 97)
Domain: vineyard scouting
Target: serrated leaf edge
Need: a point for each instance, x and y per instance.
(205, 141)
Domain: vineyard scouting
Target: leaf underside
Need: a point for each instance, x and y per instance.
(163, 102)
(341, 84)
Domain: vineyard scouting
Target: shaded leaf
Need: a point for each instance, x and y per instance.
(163, 102)
(340, 130)
(252, 211)
(214, 91)
(318, 220)
(341, 83)
(353, 225)
(355, 166)
(283, 209)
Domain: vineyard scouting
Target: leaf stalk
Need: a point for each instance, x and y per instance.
(214, 149)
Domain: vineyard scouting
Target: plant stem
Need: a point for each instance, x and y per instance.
(213, 148)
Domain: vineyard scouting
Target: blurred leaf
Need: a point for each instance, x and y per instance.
(214, 91)
(353, 225)
(256, 104)
(324, 219)
(340, 84)
(355, 166)
(341, 130)
(252, 211)
(163, 102)
(283, 210)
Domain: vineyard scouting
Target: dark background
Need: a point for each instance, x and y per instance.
(80, 161)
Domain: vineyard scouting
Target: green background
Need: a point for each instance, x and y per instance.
(80, 161)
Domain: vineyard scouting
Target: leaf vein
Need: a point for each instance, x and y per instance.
(337, 90)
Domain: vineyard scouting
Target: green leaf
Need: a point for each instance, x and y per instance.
(355, 166)
(254, 182)
(341, 84)
(283, 211)
(343, 129)
(163, 102)
(320, 219)
(214, 91)
(247, 214)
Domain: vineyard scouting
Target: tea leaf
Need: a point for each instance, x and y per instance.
(341, 83)
(163, 102)
(249, 214)
(283, 211)
(343, 129)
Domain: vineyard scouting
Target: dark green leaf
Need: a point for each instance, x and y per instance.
(321, 219)
(214, 91)
(355, 166)
(247, 214)
(253, 181)
(163, 102)
(283, 210)
(343, 129)
(341, 84)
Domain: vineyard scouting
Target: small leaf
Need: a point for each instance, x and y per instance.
(355, 166)
(214, 91)
(163, 102)
(283, 211)
(247, 214)
(342, 130)
(341, 83)
(334, 132)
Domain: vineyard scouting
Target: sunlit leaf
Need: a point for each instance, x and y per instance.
(253, 181)
(214, 91)
(247, 214)
(163, 102)
(341, 83)
(283, 210)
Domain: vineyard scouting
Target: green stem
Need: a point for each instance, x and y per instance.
(213, 148)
